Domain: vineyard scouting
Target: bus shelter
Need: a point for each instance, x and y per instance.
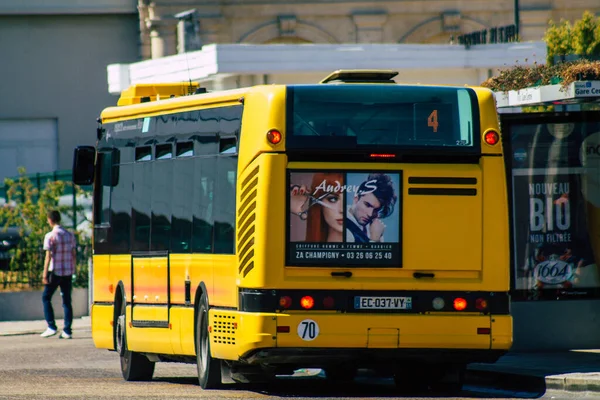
(551, 138)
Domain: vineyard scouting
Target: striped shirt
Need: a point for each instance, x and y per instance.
(60, 243)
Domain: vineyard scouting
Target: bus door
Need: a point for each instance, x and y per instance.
(150, 289)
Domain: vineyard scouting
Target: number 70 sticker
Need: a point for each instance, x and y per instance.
(308, 330)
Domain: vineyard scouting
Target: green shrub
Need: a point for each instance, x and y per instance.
(585, 39)
(559, 41)
(27, 209)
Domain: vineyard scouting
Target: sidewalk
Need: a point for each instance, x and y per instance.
(569, 370)
(11, 328)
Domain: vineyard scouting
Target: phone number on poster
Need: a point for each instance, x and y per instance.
(348, 255)
(368, 255)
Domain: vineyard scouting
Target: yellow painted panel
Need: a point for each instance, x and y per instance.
(102, 326)
(120, 271)
(101, 276)
(415, 331)
(159, 280)
(496, 248)
(150, 278)
(252, 331)
(452, 225)
(142, 285)
(202, 270)
(180, 265)
(150, 340)
(502, 332)
(225, 293)
(150, 313)
(186, 329)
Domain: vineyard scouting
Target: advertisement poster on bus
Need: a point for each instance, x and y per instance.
(556, 210)
(339, 218)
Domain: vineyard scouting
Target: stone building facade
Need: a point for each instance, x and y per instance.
(339, 21)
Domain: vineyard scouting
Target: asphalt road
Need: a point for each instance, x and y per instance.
(36, 368)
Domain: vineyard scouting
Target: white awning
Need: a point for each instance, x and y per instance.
(221, 60)
(575, 93)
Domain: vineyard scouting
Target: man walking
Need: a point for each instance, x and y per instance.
(59, 267)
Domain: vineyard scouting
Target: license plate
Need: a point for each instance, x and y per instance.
(382, 303)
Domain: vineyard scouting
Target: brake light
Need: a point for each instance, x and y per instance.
(491, 138)
(460, 304)
(285, 302)
(274, 136)
(481, 304)
(283, 329)
(381, 155)
(307, 302)
(484, 331)
(328, 302)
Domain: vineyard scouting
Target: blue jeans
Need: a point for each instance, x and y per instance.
(65, 283)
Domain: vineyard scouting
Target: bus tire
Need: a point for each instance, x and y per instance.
(209, 369)
(134, 366)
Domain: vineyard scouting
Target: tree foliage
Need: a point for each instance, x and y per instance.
(27, 208)
(580, 40)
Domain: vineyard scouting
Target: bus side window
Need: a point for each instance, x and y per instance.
(105, 167)
(121, 210)
(182, 201)
(225, 205)
(203, 184)
(102, 193)
(142, 199)
(162, 187)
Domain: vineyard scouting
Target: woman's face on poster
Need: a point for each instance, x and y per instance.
(333, 211)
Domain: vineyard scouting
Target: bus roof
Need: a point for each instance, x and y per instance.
(148, 99)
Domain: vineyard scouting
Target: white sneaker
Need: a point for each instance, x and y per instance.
(65, 335)
(48, 332)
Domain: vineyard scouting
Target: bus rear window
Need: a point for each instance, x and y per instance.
(374, 116)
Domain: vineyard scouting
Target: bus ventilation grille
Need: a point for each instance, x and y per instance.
(224, 328)
(247, 213)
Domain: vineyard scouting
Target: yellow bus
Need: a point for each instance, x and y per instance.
(353, 223)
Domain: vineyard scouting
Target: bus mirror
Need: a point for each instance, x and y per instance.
(83, 165)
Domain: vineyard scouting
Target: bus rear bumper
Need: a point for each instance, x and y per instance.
(307, 337)
(322, 357)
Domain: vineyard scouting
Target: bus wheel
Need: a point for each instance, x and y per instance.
(209, 369)
(134, 366)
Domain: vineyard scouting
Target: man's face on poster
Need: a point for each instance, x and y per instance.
(365, 208)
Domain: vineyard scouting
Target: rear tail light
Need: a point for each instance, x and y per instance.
(491, 137)
(328, 302)
(484, 331)
(285, 302)
(274, 136)
(307, 302)
(481, 304)
(283, 329)
(460, 304)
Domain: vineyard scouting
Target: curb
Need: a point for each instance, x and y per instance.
(575, 382)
